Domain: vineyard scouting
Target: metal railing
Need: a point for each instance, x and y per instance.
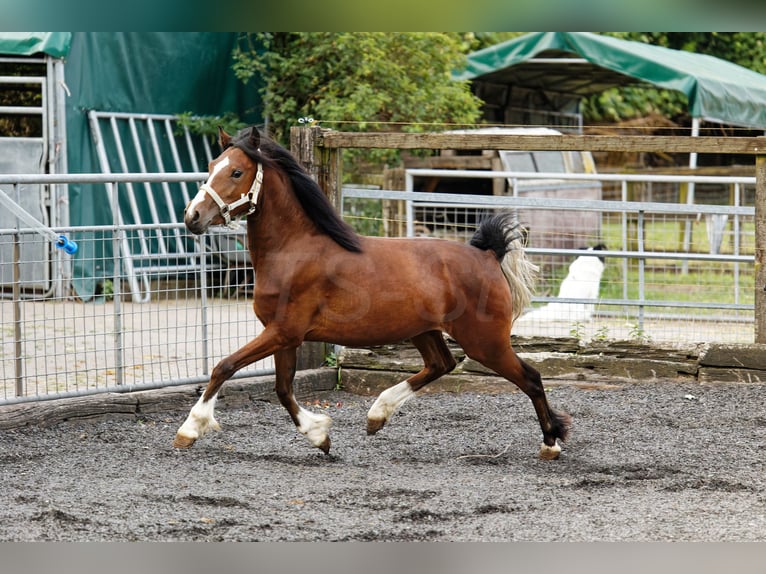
(59, 344)
(55, 344)
(634, 306)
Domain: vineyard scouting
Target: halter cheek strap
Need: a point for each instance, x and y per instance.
(250, 197)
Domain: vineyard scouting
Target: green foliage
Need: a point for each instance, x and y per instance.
(208, 125)
(629, 102)
(360, 81)
(577, 330)
(601, 334)
(331, 360)
(638, 334)
(107, 290)
(21, 95)
(374, 81)
(364, 215)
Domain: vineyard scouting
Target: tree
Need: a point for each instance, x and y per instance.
(21, 95)
(360, 80)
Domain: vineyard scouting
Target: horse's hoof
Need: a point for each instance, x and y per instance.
(374, 425)
(182, 441)
(549, 452)
(325, 446)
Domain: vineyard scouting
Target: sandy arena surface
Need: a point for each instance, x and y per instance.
(648, 461)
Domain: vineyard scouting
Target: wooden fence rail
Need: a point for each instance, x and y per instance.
(320, 151)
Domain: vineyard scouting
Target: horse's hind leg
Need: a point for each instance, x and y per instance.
(314, 426)
(438, 361)
(506, 363)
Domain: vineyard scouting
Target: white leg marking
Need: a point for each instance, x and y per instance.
(550, 452)
(314, 426)
(390, 400)
(200, 420)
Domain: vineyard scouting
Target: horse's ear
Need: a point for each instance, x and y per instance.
(224, 139)
(255, 137)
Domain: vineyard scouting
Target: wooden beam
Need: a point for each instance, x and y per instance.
(621, 143)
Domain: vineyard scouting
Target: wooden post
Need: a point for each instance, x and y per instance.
(302, 147)
(321, 162)
(760, 249)
(318, 163)
(330, 176)
(394, 216)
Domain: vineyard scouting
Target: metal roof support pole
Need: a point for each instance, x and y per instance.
(409, 186)
(690, 194)
(59, 192)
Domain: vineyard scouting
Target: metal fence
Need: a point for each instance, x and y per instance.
(194, 309)
(672, 272)
(194, 304)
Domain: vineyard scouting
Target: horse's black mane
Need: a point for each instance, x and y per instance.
(313, 201)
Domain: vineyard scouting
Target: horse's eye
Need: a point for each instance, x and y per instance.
(236, 174)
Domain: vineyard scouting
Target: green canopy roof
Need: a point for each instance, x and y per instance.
(591, 63)
(55, 44)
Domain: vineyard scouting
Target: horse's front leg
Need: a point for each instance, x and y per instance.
(201, 419)
(314, 426)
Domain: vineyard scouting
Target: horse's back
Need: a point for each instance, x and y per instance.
(397, 288)
(406, 264)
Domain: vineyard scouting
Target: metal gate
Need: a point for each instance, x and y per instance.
(39, 80)
(156, 143)
(59, 346)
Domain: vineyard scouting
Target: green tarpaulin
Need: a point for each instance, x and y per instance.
(55, 44)
(138, 72)
(143, 72)
(717, 90)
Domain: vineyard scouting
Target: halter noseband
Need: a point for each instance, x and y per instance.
(250, 197)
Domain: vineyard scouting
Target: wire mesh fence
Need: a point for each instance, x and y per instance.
(54, 346)
(659, 271)
(125, 314)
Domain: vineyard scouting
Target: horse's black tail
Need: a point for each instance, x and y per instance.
(503, 235)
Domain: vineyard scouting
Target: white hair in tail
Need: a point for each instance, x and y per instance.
(504, 235)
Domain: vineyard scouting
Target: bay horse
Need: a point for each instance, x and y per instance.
(317, 280)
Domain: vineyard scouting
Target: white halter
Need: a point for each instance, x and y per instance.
(250, 197)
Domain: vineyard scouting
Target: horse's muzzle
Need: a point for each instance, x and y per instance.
(194, 222)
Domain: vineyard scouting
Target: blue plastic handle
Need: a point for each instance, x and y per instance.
(66, 244)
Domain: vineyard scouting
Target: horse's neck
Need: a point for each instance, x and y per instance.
(277, 225)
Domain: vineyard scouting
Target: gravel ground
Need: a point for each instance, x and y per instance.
(648, 461)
